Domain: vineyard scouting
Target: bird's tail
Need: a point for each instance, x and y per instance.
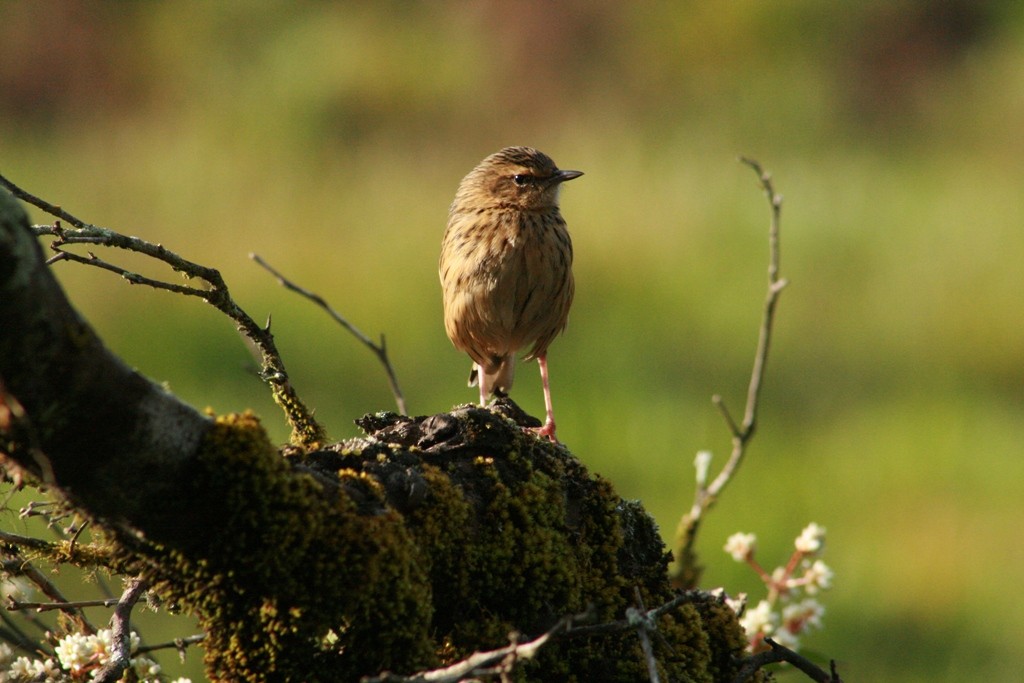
(496, 379)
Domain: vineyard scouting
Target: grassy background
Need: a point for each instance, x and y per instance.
(329, 138)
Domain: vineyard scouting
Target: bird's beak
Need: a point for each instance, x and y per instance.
(562, 176)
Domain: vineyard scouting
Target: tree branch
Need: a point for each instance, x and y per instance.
(19, 566)
(27, 542)
(117, 443)
(179, 644)
(305, 429)
(626, 624)
(779, 653)
(686, 573)
(120, 633)
(15, 605)
(379, 350)
(489, 663)
(374, 524)
(644, 624)
(478, 664)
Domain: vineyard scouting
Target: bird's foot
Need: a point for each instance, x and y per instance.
(548, 430)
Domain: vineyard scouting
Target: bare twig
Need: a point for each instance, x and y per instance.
(19, 566)
(74, 538)
(624, 624)
(130, 277)
(50, 511)
(380, 350)
(120, 633)
(490, 663)
(645, 622)
(179, 644)
(15, 605)
(687, 572)
(306, 431)
(498, 662)
(644, 625)
(779, 653)
(743, 434)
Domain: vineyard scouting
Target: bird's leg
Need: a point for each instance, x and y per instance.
(482, 384)
(548, 429)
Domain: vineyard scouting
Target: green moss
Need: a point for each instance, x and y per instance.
(435, 538)
(515, 534)
(284, 564)
(306, 431)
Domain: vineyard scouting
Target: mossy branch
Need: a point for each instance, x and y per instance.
(306, 431)
(428, 540)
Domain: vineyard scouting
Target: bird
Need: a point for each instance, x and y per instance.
(506, 269)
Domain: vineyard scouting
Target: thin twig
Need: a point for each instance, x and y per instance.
(74, 538)
(379, 350)
(15, 605)
(779, 653)
(492, 662)
(687, 572)
(644, 624)
(483, 663)
(58, 552)
(51, 511)
(306, 431)
(179, 644)
(130, 277)
(775, 287)
(624, 624)
(22, 567)
(120, 633)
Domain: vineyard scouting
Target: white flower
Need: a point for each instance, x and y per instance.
(22, 667)
(146, 668)
(102, 646)
(811, 539)
(25, 669)
(76, 651)
(803, 615)
(761, 619)
(6, 654)
(48, 669)
(741, 546)
(182, 680)
(818, 577)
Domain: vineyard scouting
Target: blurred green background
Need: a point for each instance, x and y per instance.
(330, 137)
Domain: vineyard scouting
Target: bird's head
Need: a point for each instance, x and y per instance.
(517, 177)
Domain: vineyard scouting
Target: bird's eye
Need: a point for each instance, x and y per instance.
(522, 179)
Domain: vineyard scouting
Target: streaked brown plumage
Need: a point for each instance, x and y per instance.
(506, 268)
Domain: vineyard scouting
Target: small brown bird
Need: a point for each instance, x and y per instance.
(506, 268)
